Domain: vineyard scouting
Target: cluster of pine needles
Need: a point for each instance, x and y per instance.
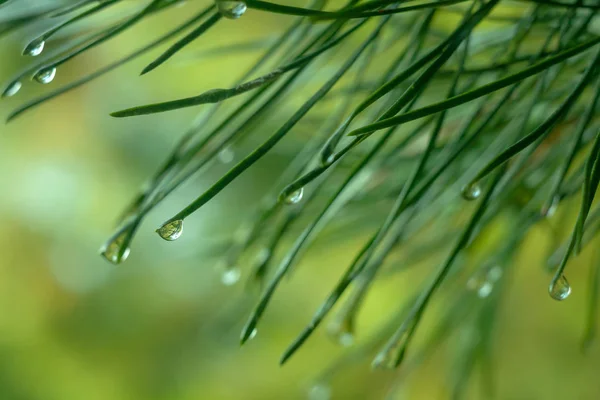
(432, 130)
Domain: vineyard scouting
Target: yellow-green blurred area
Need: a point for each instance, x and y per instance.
(162, 325)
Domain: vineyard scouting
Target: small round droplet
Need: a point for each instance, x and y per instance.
(231, 276)
(226, 155)
(560, 289)
(231, 9)
(34, 48)
(111, 251)
(471, 191)
(12, 89)
(171, 230)
(45, 75)
(295, 197)
(319, 391)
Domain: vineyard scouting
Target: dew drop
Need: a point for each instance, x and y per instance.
(560, 289)
(471, 191)
(320, 391)
(226, 155)
(111, 251)
(231, 276)
(295, 197)
(45, 75)
(231, 9)
(171, 230)
(34, 48)
(12, 89)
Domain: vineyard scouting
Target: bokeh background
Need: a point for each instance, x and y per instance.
(162, 325)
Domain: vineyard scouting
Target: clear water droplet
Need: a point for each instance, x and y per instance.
(471, 191)
(226, 155)
(12, 89)
(34, 48)
(560, 290)
(319, 391)
(111, 251)
(295, 197)
(231, 9)
(171, 230)
(231, 276)
(45, 75)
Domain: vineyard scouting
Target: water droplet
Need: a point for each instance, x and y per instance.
(12, 89)
(112, 251)
(295, 197)
(253, 334)
(226, 155)
(328, 159)
(45, 75)
(34, 48)
(485, 289)
(560, 289)
(231, 276)
(471, 191)
(171, 230)
(320, 391)
(231, 9)
(549, 210)
(342, 330)
(495, 273)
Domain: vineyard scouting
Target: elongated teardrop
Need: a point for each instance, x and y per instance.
(114, 252)
(560, 289)
(45, 75)
(171, 230)
(34, 48)
(295, 197)
(12, 89)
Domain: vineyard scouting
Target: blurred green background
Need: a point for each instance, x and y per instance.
(162, 325)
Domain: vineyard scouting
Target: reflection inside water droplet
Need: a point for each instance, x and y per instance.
(112, 251)
(560, 290)
(12, 89)
(171, 230)
(231, 9)
(295, 197)
(45, 75)
(34, 48)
